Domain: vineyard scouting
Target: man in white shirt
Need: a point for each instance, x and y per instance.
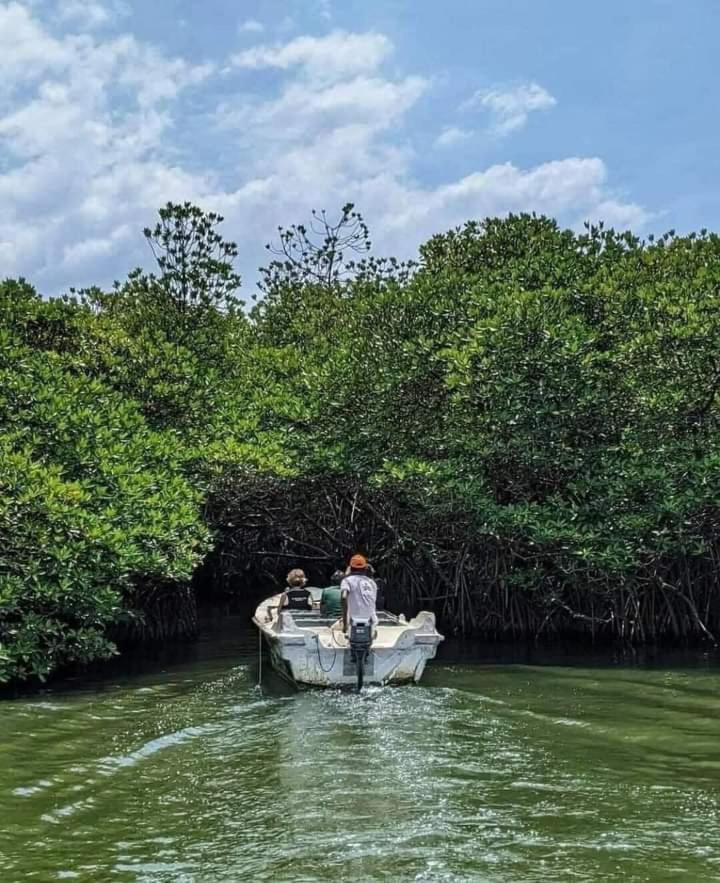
(359, 594)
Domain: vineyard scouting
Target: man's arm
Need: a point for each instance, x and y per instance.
(375, 594)
(343, 599)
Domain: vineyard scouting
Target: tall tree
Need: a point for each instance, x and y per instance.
(195, 262)
(317, 254)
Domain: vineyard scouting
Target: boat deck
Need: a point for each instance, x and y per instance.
(331, 636)
(312, 619)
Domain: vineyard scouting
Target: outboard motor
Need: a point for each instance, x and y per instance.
(360, 640)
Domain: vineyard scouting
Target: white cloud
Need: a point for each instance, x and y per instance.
(251, 26)
(90, 13)
(622, 215)
(81, 143)
(511, 107)
(302, 112)
(75, 254)
(27, 51)
(88, 129)
(319, 144)
(571, 188)
(452, 135)
(331, 57)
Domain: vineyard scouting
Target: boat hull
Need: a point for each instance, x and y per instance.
(331, 668)
(313, 655)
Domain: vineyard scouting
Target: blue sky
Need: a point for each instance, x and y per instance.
(424, 114)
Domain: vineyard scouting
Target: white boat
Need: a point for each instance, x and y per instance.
(311, 650)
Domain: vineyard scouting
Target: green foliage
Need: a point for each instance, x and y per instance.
(524, 424)
(92, 501)
(553, 390)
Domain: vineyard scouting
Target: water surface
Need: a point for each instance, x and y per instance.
(497, 772)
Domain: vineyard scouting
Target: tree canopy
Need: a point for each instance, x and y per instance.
(521, 428)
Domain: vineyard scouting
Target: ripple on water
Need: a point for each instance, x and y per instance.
(486, 773)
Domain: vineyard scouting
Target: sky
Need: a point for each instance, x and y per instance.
(423, 114)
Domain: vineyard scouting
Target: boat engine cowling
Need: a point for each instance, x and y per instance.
(361, 635)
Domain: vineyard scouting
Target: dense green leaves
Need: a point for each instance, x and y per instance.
(523, 428)
(92, 501)
(553, 390)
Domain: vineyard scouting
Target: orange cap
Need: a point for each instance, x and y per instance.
(358, 562)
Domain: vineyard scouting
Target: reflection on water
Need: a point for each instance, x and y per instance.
(485, 772)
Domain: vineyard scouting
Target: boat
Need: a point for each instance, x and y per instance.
(311, 650)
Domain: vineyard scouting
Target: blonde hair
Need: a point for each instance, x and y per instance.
(296, 578)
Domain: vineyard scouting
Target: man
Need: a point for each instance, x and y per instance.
(359, 594)
(380, 584)
(331, 598)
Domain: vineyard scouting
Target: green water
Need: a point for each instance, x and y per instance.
(485, 772)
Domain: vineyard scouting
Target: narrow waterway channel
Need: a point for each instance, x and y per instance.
(186, 772)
